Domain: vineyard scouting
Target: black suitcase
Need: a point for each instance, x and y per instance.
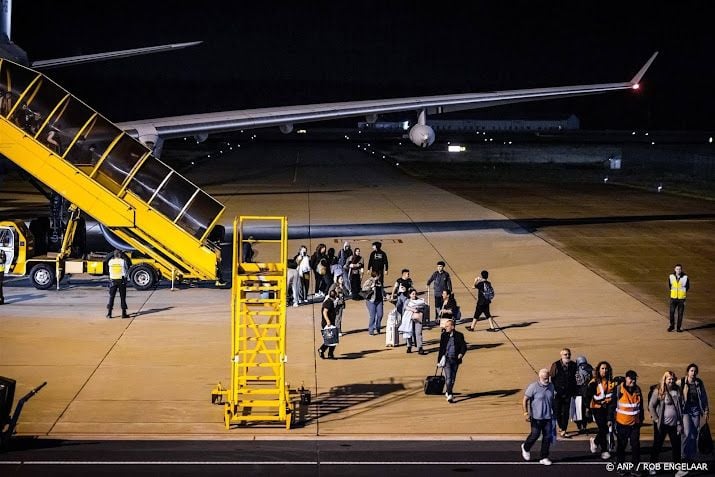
(434, 384)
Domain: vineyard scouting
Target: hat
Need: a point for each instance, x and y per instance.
(631, 374)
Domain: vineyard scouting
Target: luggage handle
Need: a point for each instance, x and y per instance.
(435, 371)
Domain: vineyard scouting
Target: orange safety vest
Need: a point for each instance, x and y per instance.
(628, 408)
(603, 396)
(677, 286)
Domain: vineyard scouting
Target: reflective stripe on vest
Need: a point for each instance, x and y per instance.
(602, 398)
(677, 286)
(629, 408)
(116, 269)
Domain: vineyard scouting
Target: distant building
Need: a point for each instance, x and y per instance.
(534, 124)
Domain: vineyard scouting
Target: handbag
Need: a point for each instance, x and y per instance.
(705, 440)
(330, 335)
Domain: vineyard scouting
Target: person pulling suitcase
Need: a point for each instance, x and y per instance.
(452, 349)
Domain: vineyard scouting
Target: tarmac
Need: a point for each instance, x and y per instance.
(150, 376)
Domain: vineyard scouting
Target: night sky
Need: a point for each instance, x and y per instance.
(282, 53)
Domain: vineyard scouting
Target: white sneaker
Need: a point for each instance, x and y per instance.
(295, 305)
(605, 455)
(450, 398)
(681, 473)
(592, 445)
(525, 454)
(545, 461)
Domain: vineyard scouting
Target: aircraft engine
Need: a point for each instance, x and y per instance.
(422, 135)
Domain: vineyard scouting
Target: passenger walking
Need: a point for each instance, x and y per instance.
(356, 266)
(580, 412)
(340, 295)
(343, 261)
(666, 410)
(294, 286)
(319, 265)
(563, 377)
(374, 296)
(678, 285)
(601, 396)
(378, 261)
(3, 259)
(538, 406)
(411, 324)
(449, 308)
(303, 262)
(401, 286)
(327, 318)
(485, 295)
(442, 282)
(452, 349)
(695, 411)
(118, 273)
(629, 418)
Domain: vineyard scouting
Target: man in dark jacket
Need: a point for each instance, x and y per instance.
(452, 349)
(563, 377)
(378, 261)
(442, 282)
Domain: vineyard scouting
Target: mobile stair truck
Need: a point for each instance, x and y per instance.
(109, 176)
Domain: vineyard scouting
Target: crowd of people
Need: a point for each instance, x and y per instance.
(573, 390)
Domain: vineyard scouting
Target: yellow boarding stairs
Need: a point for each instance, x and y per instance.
(106, 173)
(258, 389)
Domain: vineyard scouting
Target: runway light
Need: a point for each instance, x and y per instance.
(652, 143)
(456, 148)
(509, 142)
(660, 187)
(605, 180)
(646, 134)
(209, 156)
(710, 139)
(397, 164)
(192, 163)
(383, 157)
(633, 133)
(301, 131)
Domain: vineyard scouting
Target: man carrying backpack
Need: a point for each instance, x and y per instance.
(485, 295)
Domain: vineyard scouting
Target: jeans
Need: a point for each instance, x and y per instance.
(691, 425)
(438, 302)
(416, 338)
(450, 373)
(562, 406)
(543, 427)
(374, 311)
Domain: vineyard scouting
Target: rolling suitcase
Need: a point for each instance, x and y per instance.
(434, 384)
(392, 336)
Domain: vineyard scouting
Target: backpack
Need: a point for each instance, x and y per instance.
(583, 374)
(488, 291)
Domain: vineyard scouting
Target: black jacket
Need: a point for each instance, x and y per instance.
(564, 381)
(460, 346)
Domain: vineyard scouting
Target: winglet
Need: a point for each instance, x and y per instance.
(637, 78)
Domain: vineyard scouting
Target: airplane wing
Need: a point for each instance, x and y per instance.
(109, 55)
(208, 123)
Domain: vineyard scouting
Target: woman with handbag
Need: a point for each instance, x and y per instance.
(666, 409)
(695, 410)
(411, 325)
(340, 294)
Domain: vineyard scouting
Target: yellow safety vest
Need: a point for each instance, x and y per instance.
(628, 408)
(677, 286)
(116, 269)
(2, 262)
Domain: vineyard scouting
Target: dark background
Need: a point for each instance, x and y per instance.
(282, 53)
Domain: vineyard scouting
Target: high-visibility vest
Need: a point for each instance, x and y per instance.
(2, 267)
(628, 407)
(677, 286)
(2, 261)
(116, 268)
(604, 394)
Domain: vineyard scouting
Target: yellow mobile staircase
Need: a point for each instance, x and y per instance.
(110, 176)
(258, 389)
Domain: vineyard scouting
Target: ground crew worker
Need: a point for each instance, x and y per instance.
(600, 395)
(3, 258)
(118, 281)
(629, 418)
(678, 284)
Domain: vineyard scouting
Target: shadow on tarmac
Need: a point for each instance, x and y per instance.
(458, 397)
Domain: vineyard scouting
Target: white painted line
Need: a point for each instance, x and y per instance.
(244, 462)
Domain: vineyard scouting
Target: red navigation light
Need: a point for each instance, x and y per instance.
(636, 86)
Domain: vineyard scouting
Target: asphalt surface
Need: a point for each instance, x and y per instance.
(309, 458)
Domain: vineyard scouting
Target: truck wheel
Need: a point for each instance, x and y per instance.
(42, 276)
(143, 276)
